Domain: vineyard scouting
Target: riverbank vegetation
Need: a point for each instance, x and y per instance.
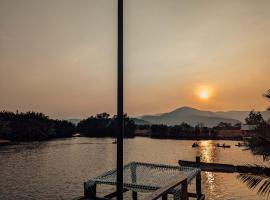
(259, 145)
(32, 126)
(102, 125)
(186, 131)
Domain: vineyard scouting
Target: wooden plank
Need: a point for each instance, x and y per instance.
(4, 142)
(165, 197)
(184, 190)
(164, 190)
(226, 168)
(194, 195)
(202, 197)
(114, 194)
(215, 167)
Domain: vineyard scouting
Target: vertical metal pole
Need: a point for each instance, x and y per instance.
(120, 112)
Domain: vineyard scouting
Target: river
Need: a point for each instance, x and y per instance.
(57, 169)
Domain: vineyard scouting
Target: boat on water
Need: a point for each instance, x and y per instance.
(76, 135)
(195, 145)
(114, 142)
(240, 144)
(223, 146)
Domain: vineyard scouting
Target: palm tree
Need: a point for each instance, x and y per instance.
(260, 146)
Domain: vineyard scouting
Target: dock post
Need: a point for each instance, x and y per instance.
(184, 192)
(165, 197)
(134, 179)
(198, 179)
(90, 191)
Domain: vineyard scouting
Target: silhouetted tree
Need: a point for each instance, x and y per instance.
(64, 128)
(237, 126)
(102, 125)
(31, 126)
(259, 145)
(130, 127)
(143, 127)
(183, 130)
(97, 126)
(159, 131)
(254, 118)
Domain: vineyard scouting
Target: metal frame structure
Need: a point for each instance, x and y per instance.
(158, 179)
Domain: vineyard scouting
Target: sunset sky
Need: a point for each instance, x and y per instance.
(59, 56)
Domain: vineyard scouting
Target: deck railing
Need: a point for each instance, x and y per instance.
(163, 192)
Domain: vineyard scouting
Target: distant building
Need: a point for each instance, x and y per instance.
(248, 130)
(248, 127)
(229, 134)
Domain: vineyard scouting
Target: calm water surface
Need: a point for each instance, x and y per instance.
(57, 169)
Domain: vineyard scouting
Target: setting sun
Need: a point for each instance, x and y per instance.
(204, 94)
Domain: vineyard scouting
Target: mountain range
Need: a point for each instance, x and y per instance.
(194, 116)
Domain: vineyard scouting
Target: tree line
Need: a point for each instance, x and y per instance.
(102, 125)
(32, 126)
(186, 131)
(262, 126)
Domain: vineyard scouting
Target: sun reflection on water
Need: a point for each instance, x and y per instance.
(207, 152)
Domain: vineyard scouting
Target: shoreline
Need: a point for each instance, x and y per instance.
(8, 142)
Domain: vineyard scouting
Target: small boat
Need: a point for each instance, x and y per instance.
(114, 142)
(76, 135)
(223, 146)
(195, 145)
(239, 144)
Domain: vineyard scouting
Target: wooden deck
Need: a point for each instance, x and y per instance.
(4, 142)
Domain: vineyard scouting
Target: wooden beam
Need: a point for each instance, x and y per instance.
(164, 190)
(226, 168)
(114, 194)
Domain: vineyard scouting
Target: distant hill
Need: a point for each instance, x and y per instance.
(241, 115)
(140, 121)
(189, 115)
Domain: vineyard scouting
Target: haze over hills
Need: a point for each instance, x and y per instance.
(241, 115)
(194, 116)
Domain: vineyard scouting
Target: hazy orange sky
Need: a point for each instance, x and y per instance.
(59, 56)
